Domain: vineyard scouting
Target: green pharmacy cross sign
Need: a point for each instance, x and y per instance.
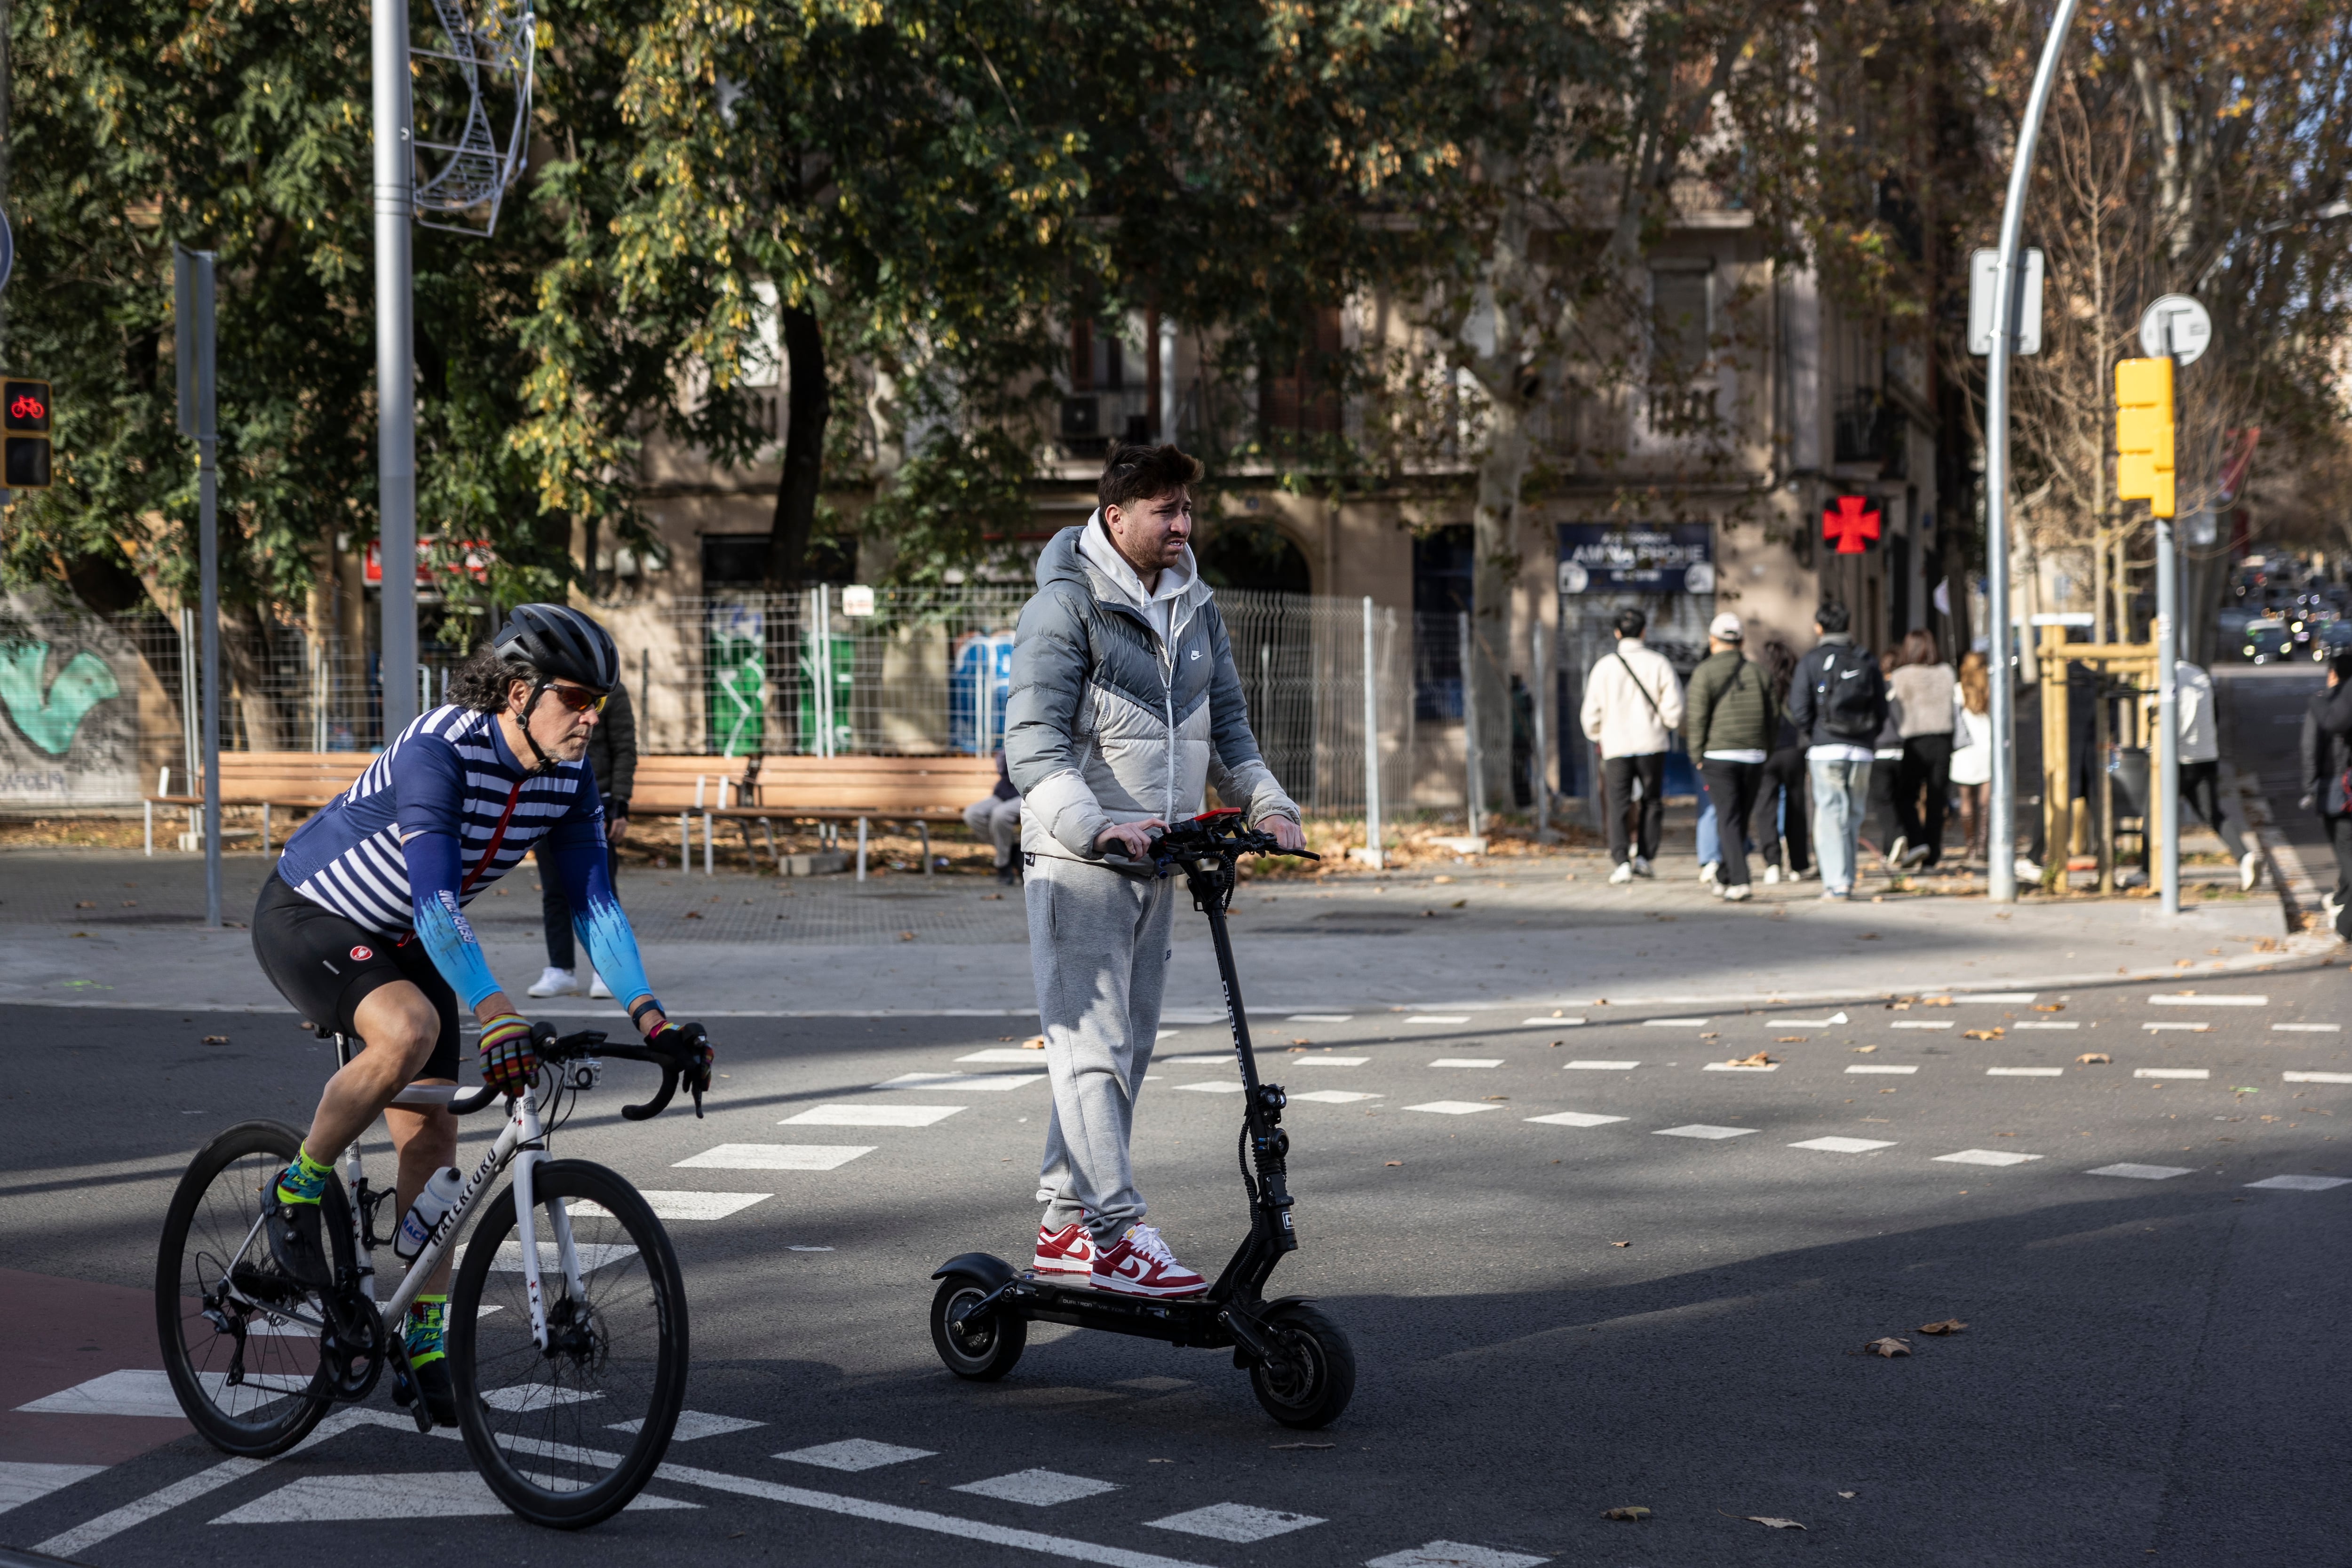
(49, 718)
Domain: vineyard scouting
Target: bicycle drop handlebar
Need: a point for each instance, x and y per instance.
(552, 1047)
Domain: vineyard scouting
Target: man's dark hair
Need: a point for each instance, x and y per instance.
(1830, 617)
(1631, 623)
(482, 682)
(1139, 473)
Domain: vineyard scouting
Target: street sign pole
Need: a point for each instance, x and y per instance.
(2179, 329)
(396, 380)
(2001, 839)
(193, 322)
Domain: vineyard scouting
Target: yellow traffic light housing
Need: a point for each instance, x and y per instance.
(2144, 433)
(25, 445)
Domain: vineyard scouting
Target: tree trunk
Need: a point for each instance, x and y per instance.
(1495, 570)
(809, 407)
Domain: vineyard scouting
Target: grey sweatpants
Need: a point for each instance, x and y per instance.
(1099, 947)
(999, 822)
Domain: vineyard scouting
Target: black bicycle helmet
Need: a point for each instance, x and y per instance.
(559, 643)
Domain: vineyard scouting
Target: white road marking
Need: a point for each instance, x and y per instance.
(774, 1157)
(22, 1480)
(525, 1398)
(1921, 1024)
(1700, 1129)
(854, 1454)
(1212, 1058)
(1454, 1555)
(694, 1423)
(1234, 1522)
(1676, 1023)
(2302, 1183)
(2141, 1173)
(2306, 1029)
(1986, 1157)
(1438, 1018)
(919, 1518)
(435, 1494)
(2317, 1077)
(1170, 1016)
(679, 1205)
(2025, 1072)
(591, 1255)
(1995, 995)
(1214, 1085)
(1038, 1488)
(1467, 1062)
(2172, 1072)
(1328, 1062)
(1741, 1066)
(2034, 1026)
(1599, 1067)
(131, 1393)
(1549, 1023)
(1833, 1020)
(1160, 1036)
(1335, 1096)
(1859, 1068)
(870, 1116)
(1844, 1145)
(1452, 1107)
(1576, 1118)
(2190, 1028)
(2208, 999)
(1320, 1018)
(961, 1080)
(1016, 1053)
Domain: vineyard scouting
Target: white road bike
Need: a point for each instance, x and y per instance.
(559, 1353)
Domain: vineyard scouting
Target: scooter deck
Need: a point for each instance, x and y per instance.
(1194, 1321)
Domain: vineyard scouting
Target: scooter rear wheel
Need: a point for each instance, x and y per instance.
(980, 1349)
(1311, 1375)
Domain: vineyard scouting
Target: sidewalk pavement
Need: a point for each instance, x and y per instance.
(1531, 935)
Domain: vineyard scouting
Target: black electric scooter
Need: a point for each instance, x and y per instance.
(1300, 1363)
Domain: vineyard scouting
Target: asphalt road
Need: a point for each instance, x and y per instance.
(2152, 1369)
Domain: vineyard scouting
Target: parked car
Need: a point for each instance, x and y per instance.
(2267, 641)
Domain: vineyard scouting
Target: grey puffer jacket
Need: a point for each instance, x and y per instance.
(1109, 724)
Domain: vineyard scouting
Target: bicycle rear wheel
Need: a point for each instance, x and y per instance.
(566, 1435)
(240, 1340)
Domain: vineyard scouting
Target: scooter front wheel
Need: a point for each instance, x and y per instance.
(1311, 1375)
(981, 1349)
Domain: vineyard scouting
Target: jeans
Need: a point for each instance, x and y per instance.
(2200, 791)
(555, 910)
(1841, 794)
(1780, 812)
(1732, 785)
(1710, 836)
(1617, 777)
(1923, 789)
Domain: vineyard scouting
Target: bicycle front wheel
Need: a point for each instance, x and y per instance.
(567, 1432)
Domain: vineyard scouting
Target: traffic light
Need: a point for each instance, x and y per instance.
(25, 417)
(2144, 433)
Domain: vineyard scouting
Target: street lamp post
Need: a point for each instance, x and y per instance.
(396, 377)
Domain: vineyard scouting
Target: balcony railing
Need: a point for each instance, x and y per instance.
(1869, 428)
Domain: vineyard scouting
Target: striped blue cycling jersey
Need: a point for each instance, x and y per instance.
(446, 811)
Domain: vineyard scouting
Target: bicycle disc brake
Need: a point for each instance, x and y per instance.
(352, 1348)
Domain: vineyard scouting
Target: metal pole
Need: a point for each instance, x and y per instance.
(2009, 281)
(1473, 786)
(1543, 751)
(395, 370)
(2168, 712)
(1373, 854)
(209, 569)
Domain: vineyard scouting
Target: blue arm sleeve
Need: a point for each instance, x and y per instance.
(441, 925)
(577, 847)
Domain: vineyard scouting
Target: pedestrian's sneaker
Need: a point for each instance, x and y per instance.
(2250, 870)
(1624, 873)
(1141, 1265)
(1738, 895)
(1838, 895)
(1709, 874)
(1771, 875)
(2026, 870)
(1895, 852)
(1915, 857)
(1642, 866)
(554, 981)
(596, 986)
(1069, 1250)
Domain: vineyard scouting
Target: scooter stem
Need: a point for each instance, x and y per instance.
(1261, 1103)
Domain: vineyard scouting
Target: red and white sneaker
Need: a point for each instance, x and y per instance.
(1069, 1250)
(1141, 1265)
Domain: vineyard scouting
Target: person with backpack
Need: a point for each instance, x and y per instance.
(2327, 781)
(1729, 721)
(1781, 815)
(1632, 703)
(1837, 701)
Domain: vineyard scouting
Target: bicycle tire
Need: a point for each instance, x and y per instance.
(531, 1417)
(207, 1230)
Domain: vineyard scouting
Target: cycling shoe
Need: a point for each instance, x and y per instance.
(298, 1243)
(440, 1398)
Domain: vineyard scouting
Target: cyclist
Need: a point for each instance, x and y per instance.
(362, 924)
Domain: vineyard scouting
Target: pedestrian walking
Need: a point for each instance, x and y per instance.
(1921, 692)
(996, 817)
(613, 758)
(1886, 755)
(2327, 779)
(1730, 722)
(1838, 701)
(1632, 704)
(1972, 769)
(2200, 773)
(1782, 817)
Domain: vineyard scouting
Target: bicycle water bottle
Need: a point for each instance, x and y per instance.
(431, 1205)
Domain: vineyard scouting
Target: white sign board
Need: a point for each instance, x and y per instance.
(858, 599)
(2176, 328)
(1984, 266)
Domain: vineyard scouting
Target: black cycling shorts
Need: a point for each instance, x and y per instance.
(327, 965)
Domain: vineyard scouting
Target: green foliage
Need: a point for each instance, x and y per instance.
(956, 504)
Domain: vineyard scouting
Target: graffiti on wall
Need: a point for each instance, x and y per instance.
(68, 722)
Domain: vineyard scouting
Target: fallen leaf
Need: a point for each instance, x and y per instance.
(1846, 1494)
(1441, 878)
(1889, 1347)
(1457, 903)
(1296, 1041)
(1393, 1162)
(1630, 1514)
(694, 914)
(87, 904)
(1980, 1034)
(1863, 1050)
(992, 898)
(1034, 1043)
(1759, 1060)
(1949, 1326)
(906, 936)
(1285, 1447)
(1790, 1039)
(1865, 936)
(1556, 1043)
(1934, 1000)
(1497, 1097)
(1621, 1244)
(2097, 1058)
(1771, 1523)
(215, 1039)
(2050, 1006)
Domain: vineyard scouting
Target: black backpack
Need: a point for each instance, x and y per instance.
(1851, 696)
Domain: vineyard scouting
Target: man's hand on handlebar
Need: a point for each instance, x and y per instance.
(1134, 838)
(508, 1053)
(690, 1047)
(1285, 832)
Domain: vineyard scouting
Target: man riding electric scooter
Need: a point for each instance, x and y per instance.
(1125, 702)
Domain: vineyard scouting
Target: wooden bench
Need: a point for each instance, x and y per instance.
(301, 781)
(767, 789)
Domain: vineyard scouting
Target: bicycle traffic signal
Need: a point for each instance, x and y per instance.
(25, 419)
(2144, 433)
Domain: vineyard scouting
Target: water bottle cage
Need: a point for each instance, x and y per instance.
(368, 1201)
